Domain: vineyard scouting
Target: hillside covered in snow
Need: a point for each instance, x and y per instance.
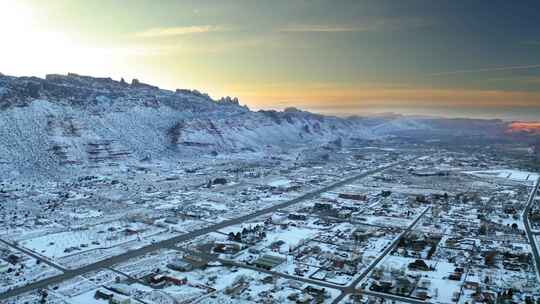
(49, 125)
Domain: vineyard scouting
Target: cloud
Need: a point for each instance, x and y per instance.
(520, 79)
(520, 126)
(495, 69)
(180, 30)
(532, 42)
(381, 24)
(322, 29)
(351, 97)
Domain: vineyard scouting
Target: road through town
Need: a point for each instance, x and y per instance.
(168, 243)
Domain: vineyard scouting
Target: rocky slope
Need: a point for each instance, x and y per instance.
(48, 125)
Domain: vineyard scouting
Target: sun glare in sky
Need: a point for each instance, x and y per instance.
(33, 50)
(361, 56)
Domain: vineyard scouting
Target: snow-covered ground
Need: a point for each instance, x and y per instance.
(63, 244)
(508, 174)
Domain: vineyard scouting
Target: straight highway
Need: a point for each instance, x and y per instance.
(168, 243)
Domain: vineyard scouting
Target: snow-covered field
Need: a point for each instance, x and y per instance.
(508, 174)
(63, 244)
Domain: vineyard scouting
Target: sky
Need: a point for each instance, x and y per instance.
(447, 58)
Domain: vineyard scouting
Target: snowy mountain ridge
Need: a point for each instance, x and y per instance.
(47, 125)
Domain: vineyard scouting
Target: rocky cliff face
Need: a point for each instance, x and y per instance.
(50, 125)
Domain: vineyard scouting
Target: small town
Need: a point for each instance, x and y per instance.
(391, 227)
(269, 152)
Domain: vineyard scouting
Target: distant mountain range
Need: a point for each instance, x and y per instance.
(48, 125)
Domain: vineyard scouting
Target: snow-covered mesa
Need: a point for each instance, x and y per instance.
(48, 125)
